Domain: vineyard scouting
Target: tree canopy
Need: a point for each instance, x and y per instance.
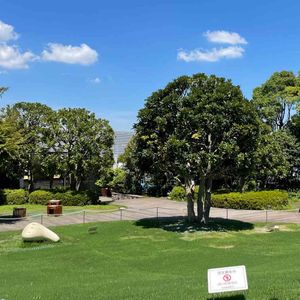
(197, 129)
(73, 143)
(276, 99)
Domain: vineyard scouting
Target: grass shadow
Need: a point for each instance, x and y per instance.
(9, 219)
(180, 224)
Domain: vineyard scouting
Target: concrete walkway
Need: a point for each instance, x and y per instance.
(140, 208)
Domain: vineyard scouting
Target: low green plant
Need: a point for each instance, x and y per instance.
(248, 200)
(251, 200)
(41, 197)
(178, 193)
(70, 198)
(10, 196)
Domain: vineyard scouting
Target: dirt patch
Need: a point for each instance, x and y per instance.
(221, 246)
(187, 236)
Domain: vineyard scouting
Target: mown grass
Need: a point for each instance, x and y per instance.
(32, 209)
(127, 260)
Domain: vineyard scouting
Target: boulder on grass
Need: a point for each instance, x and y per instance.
(35, 232)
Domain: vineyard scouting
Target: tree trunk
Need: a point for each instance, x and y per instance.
(207, 204)
(201, 199)
(78, 183)
(72, 182)
(51, 183)
(30, 180)
(204, 198)
(190, 200)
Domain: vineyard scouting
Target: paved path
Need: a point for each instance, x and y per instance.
(140, 208)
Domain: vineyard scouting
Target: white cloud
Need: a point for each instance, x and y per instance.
(12, 58)
(83, 54)
(212, 55)
(7, 32)
(225, 37)
(96, 80)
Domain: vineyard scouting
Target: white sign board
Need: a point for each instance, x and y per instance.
(228, 279)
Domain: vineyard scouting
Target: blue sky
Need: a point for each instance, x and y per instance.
(109, 56)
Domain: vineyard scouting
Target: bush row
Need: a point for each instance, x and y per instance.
(249, 200)
(68, 198)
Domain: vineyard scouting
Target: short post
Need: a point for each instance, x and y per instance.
(157, 213)
(227, 213)
(83, 217)
(121, 213)
(41, 218)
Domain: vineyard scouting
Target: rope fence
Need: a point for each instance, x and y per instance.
(156, 213)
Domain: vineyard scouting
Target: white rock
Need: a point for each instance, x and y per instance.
(37, 232)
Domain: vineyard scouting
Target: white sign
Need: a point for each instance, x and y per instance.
(227, 279)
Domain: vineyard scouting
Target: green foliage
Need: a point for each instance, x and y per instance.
(11, 143)
(251, 200)
(277, 98)
(88, 142)
(196, 129)
(277, 159)
(68, 198)
(118, 182)
(41, 197)
(72, 198)
(178, 193)
(9, 196)
(294, 126)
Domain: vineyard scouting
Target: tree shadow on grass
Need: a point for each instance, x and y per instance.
(180, 224)
(9, 219)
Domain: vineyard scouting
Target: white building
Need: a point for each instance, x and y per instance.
(122, 138)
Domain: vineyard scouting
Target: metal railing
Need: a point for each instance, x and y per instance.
(156, 213)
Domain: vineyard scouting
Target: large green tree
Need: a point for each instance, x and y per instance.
(277, 98)
(198, 129)
(33, 119)
(85, 143)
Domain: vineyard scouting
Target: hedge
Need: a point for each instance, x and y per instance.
(71, 198)
(68, 198)
(18, 196)
(248, 200)
(41, 197)
(251, 200)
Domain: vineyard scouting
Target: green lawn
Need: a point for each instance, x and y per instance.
(124, 260)
(32, 209)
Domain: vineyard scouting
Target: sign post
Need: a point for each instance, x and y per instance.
(228, 279)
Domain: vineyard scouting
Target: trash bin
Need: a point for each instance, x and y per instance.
(105, 192)
(19, 212)
(54, 207)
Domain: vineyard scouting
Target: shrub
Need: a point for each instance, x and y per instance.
(71, 198)
(178, 193)
(251, 200)
(41, 197)
(17, 197)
